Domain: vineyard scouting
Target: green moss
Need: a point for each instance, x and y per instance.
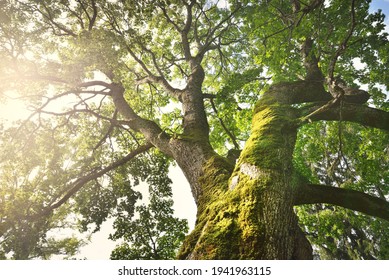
(230, 222)
(214, 181)
(273, 131)
(229, 227)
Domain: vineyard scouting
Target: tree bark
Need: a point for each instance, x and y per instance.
(246, 211)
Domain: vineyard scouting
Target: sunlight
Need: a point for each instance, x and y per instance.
(12, 110)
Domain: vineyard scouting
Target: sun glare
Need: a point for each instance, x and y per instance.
(12, 110)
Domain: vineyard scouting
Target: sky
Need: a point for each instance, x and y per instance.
(384, 6)
(381, 4)
(100, 247)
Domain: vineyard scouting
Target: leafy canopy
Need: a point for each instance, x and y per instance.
(76, 155)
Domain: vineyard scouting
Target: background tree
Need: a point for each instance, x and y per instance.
(30, 180)
(155, 234)
(236, 93)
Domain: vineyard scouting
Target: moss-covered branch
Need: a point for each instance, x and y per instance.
(351, 199)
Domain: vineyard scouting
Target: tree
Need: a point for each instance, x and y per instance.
(236, 93)
(155, 234)
(28, 181)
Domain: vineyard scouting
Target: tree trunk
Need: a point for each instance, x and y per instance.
(246, 211)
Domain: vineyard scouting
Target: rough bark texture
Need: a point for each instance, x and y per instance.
(246, 212)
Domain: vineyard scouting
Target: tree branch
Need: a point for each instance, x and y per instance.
(350, 199)
(51, 20)
(297, 92)
(152, 77)
(343, 45)
(229, 133)
(186, 29)
(80, 182)
(357, 113)
(211, 38)
(109, 131)
(151, 131)
(168, 19)
(161, 78)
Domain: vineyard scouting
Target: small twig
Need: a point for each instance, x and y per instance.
(322, 109)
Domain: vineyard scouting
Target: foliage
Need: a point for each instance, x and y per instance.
(81, 155)
(44, 157)
(33, 178)
(154, 234)
(341, 155)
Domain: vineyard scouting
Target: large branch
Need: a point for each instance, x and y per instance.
(324, 106)
(351, 199)
(185, 31)
(296, 92)
(150, 130)
(357, 113)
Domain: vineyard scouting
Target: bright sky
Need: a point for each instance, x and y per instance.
(12, 110)
(100, 247)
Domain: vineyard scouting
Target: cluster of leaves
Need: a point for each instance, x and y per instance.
(153, 233)
(36, 176)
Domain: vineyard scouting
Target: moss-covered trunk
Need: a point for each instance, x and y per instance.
(246, 211)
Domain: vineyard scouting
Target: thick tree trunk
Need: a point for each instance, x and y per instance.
(246, 211)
